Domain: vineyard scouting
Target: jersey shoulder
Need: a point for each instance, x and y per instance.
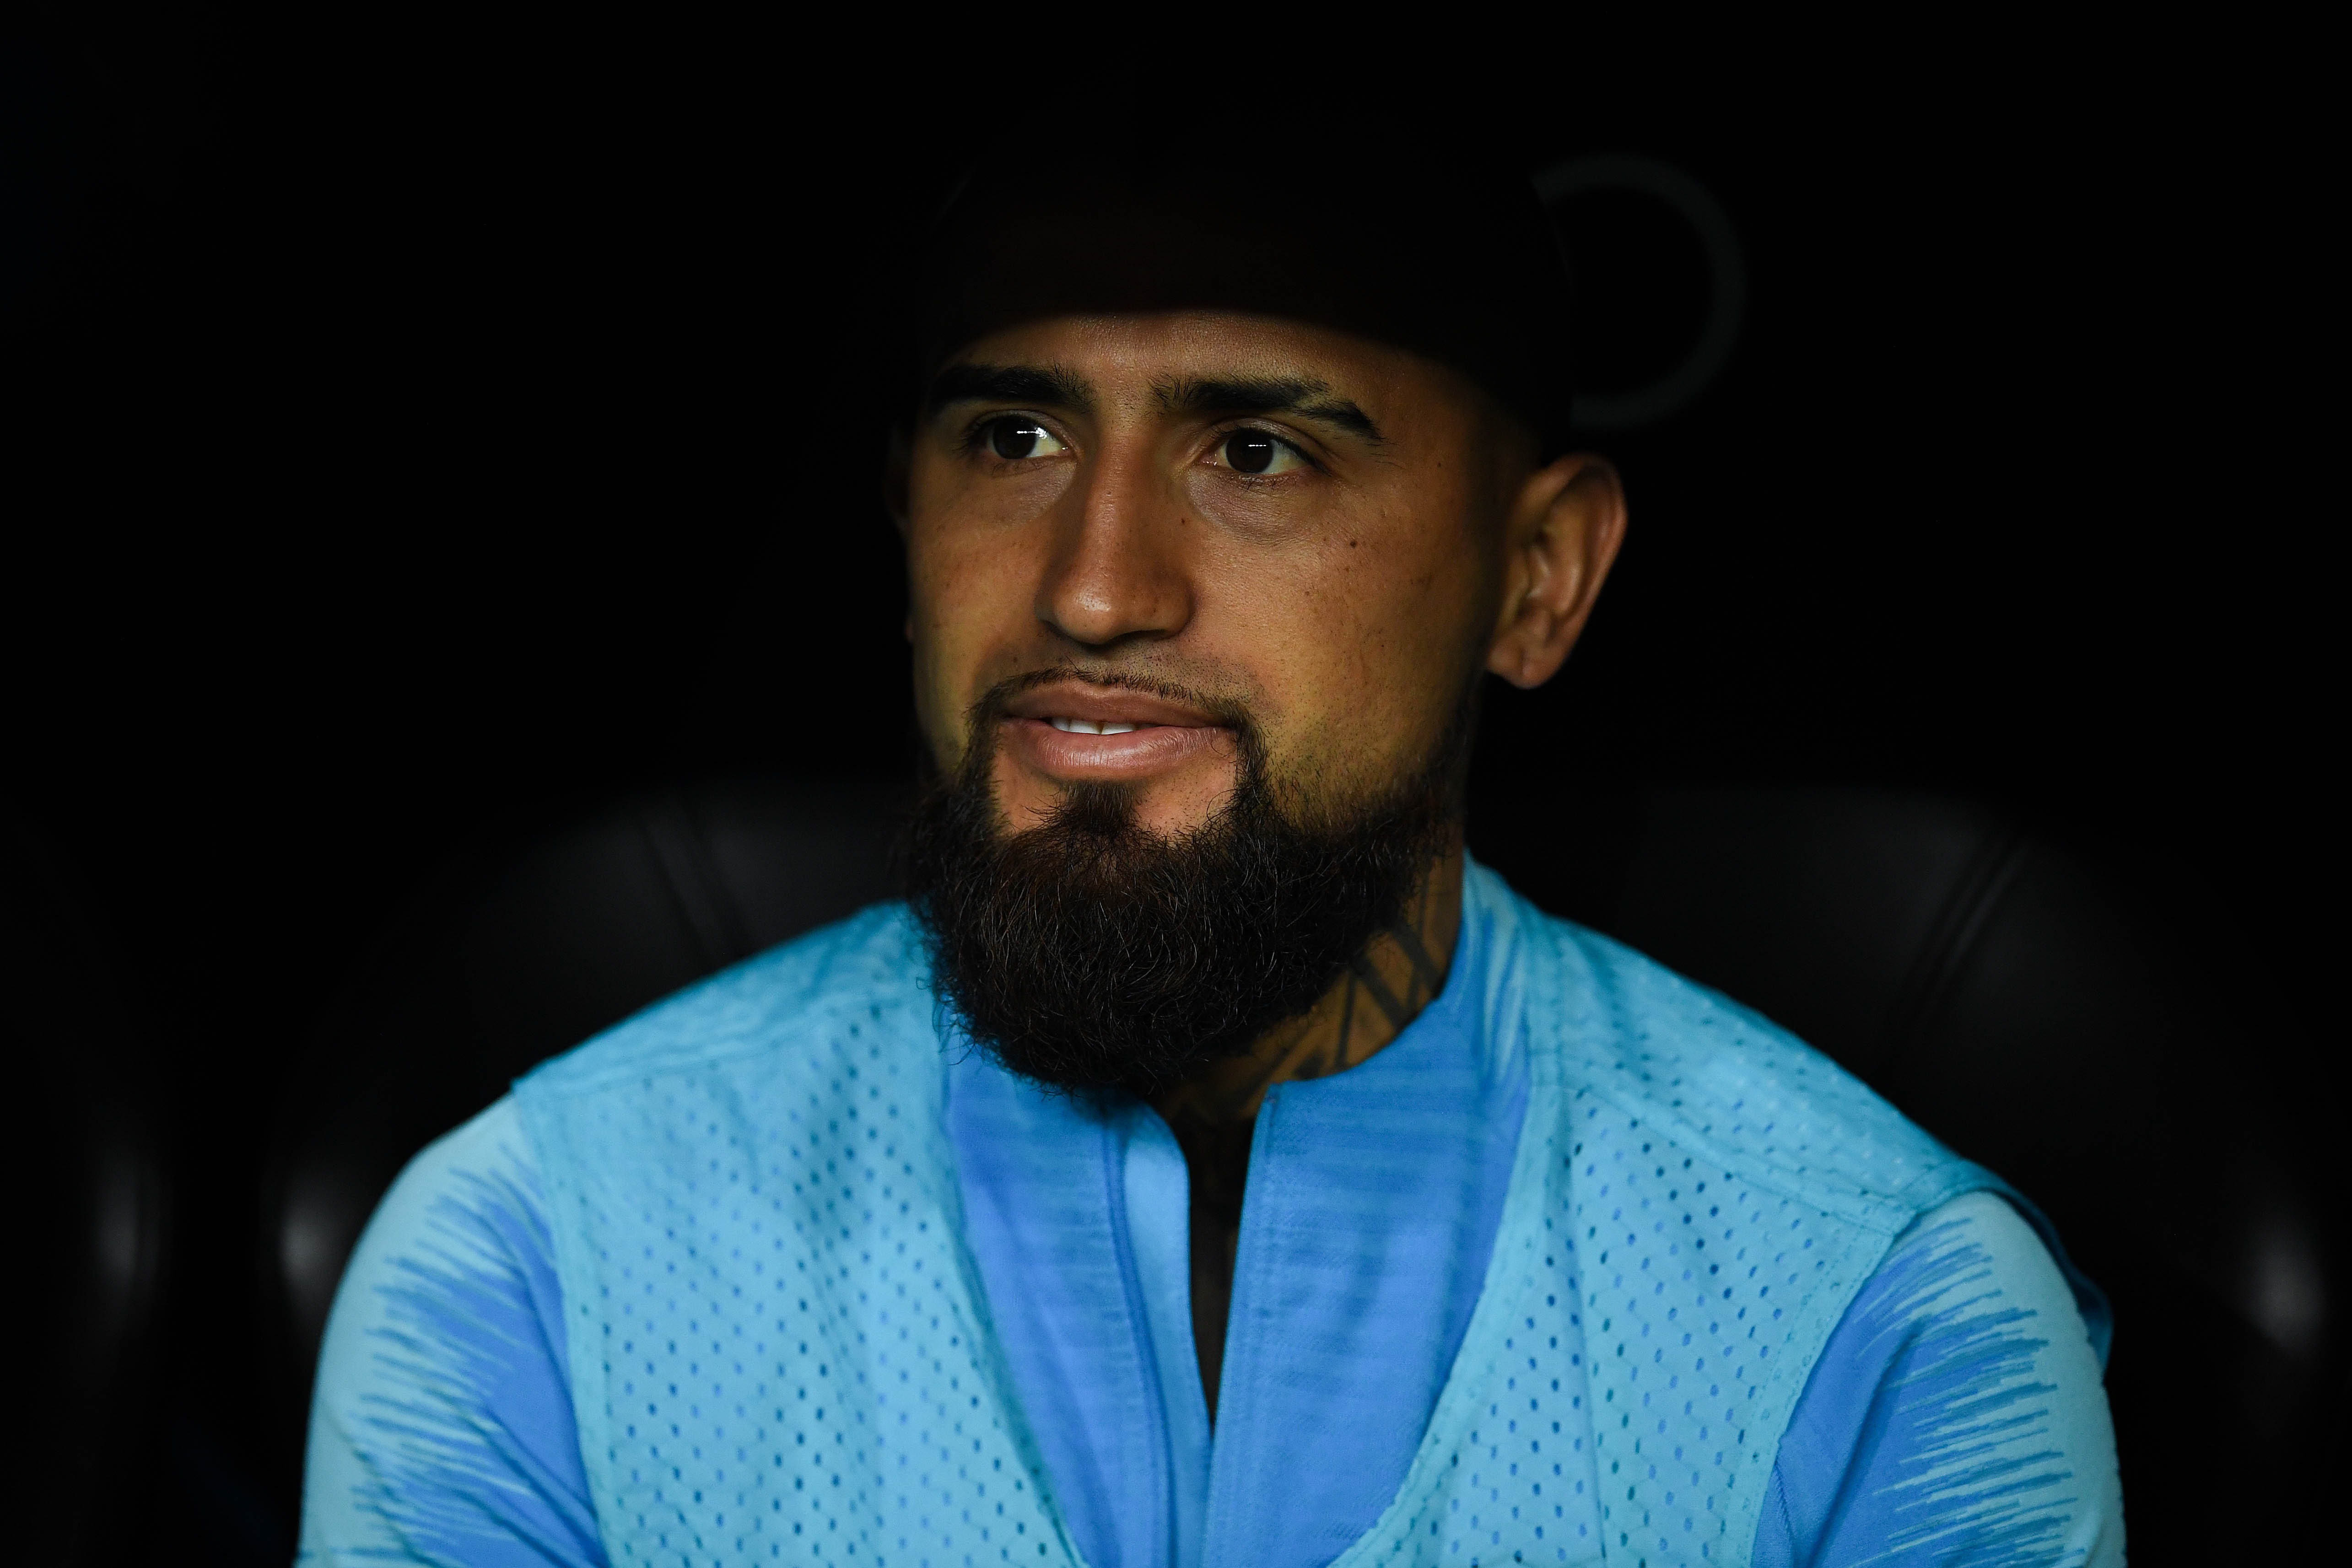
(1955, 1412)
(1732, 1085)
(813, 990)
(441, 1422)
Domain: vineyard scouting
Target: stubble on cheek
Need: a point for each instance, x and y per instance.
(936, 721)
(947, 665)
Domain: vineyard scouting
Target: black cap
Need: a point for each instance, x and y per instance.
(1423, 241)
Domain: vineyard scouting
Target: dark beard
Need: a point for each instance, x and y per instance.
(1091, 953)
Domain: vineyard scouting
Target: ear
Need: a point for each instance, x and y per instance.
(898, 465)
(1563, 532)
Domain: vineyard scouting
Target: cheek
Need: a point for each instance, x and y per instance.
(971, 581)
(1418, 590)
(973, 541)
(947, 596)
(1362, 645)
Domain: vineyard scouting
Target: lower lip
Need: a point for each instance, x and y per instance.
(1142, 753)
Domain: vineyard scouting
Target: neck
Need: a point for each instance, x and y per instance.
(1213, 1115)
(1385, 989)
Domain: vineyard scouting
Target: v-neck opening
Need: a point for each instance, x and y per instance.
(1365, 1427)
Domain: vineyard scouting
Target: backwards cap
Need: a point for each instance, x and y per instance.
(1422, 243)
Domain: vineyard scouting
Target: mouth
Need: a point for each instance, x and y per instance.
(1073, 732)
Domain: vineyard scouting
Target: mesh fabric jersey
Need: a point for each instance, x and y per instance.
(1588, 1266)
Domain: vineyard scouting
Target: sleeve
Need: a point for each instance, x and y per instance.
(441, 1430)
(1956, 1415)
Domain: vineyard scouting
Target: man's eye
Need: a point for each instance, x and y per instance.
(1016, 437)
(1256, 451)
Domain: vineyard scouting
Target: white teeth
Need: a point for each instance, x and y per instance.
(1087, 727)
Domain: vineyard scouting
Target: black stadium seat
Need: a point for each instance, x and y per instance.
(86, 1165)
(503, 960)
(2005, 995)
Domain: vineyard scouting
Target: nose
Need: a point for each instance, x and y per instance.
(1120, 571)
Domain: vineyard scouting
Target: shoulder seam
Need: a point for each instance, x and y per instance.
(691, 1058)
(729, 1038)
(1885, 1213)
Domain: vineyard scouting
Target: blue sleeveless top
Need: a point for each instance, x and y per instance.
(777, 1344)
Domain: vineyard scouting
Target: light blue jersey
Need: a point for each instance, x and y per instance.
(1953, 1415)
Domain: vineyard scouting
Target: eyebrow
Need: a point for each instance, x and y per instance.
(1300, 397)
(1056, 386)
(1052, 386)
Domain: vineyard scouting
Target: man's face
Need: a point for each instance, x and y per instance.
(1146, 524)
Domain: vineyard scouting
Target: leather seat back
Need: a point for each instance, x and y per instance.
(512, 954)
(86, 1165)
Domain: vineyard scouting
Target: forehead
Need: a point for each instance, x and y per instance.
(1123, 359)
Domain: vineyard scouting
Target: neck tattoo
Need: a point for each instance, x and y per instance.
(1214, 1113)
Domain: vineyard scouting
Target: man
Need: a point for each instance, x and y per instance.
(1210, 1163)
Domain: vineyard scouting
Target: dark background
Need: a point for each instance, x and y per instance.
(415, 431)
